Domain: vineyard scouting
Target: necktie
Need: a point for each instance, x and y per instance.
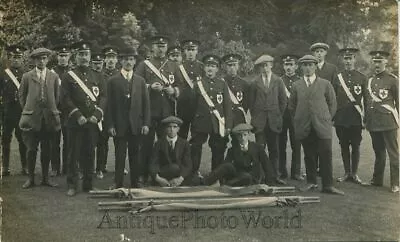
(171, 146)
(42, 85)
(308, 82)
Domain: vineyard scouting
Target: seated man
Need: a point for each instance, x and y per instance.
(171, 163)
(244, 162)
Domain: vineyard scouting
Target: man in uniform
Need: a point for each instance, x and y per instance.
(10, 79)
(174, 54)
(162, 78)
(382, 119)
(40, 120)
(171, 164)
(267, 102)
(289, 78)
(84, 98)
(97, 62)
(62, 67)
(349, 86)
(213, 115)
(190, 69)
(312, 104)
(128, 117)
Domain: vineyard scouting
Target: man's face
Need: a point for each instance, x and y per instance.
(111, 61)
(83, 58)
(172, 130)
(175, 57)
(380, 65)
(97, 66)
(266, 67)
(16, 60)
(232, 68)
(308, 68)
(349, 62)
(320, 54)
(243, 137)
(63, 58)
(41, 61)
(211, 69)
(290, 67)
(159, 50)
(191, 53)
(128, 62)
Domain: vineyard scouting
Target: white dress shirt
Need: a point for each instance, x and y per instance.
(311, 79)
(173, 140)
(127, 74)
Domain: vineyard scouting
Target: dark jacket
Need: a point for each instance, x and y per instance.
(240, 89)
(127, 98)
(160, 156)
(33, 109)
(313, 107)
(328, 71)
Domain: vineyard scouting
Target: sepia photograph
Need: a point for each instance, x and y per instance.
(199, 120)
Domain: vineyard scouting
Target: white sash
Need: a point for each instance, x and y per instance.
(221, 120)
(236, 102)
(13, 78)
(86, 90)
(157, 72)
(186, 76)
(287, 92)
(386, 106)
(350, 95)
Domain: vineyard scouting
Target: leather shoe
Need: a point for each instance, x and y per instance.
(280, 181)
(395, 189)
(345, 177)
(28, 184)
(332, 190)
(297, 178)
(71, 192)
(24, 172)
(357, 180)
(373, 183)
(48, 183)
(309, 187)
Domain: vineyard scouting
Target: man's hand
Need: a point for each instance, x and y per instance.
(157, 86)
(93, 119)
(162, 181)
(176, 181)
(145, 130)
(82, 120)
(112, 132)
(169, 90)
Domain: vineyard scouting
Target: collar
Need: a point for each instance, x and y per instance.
(311, 78)
(320, 64)
(266, 77)
(172, 139)
(244, 147)
(127, 74)
(39, 73)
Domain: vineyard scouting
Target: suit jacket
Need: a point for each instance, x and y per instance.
(127, 97)
(328, 71)
(267, 105)
(33, 111)
(313, 107)
(160, 156)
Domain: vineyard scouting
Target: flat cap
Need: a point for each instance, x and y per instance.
(40, 51)
(81, 45)
(172, 119)
(264, 59)
(308, 59)
(97, 57)
(231, 58)
(348, 51)
(128, 51)
(241, 127)
(62, 49)
(16, 49)
(286, 58)
(159, 39)
(319, 45)
(175, 49)
(210, 58)
(379, 54)
(190, 43)
(110, 50)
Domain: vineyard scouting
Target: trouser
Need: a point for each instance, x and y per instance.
(81, 147)
(32, 140)
(64, 150)
(156, 128)
(10, 125)
(383, 141)
(173, 170)
(186, 112)
(271, 139)
(350, 136)
(55, 152)
(133, 144)
(216, 143)
(230, 175)
(314, 146)
(102, 150)
(296, 149)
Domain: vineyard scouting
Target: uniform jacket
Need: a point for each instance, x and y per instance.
(267, 105)
(33, 111)
(9, 93)
(328, 71)
(240, 89)
(162, 105)
(75, 101)
(385, 86)
(346, 114)
(127, 98)
(204, 121)
(161, 157)
(61, 70)
(289, 81)
(313, 107)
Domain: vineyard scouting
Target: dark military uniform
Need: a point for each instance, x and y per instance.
(347, 120)
(11, 115)
(382, 91)
(185, 109)
(294, 144)
(240, 89)
(82, 139)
